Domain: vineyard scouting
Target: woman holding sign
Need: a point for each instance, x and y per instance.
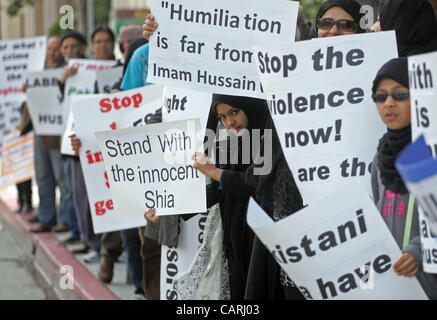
(396, 204)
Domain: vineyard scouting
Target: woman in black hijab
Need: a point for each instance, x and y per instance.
(338, 17)
(275, 191)
(414, 23)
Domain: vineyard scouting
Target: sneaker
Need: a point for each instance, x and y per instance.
(140, 296)
(69, 240)
(92, 257)
(84, 249)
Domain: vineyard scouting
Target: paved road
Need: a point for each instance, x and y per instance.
(16, 282)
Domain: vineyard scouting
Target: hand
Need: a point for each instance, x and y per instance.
(76, 144)
(68, 72)
(149, 26)
(115, 90)
(406, 265)
(202, 163)
(150, 216)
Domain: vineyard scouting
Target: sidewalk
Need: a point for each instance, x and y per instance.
(48, 256)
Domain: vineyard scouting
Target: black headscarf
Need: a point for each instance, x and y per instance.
(414, 23)
(352, 7)
(394, 141)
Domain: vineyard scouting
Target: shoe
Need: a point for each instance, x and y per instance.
(84, 249)
(92, 257)
(106, 270)
(60, 228)
(140, 296)
(34, 219)
(69, 240)
(40, 229)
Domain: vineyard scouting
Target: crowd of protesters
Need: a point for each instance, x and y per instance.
(253, 272)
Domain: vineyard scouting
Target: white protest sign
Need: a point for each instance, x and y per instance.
(83, 82)
(17, 56)
(44, 101)
(181, 104)
(151, 167)
(337, 248)
(423, 92)
(98, 113)
(319, 95)
(419, 172)
(206, 45)
(106, 79)
(176, 261)
(17, 161)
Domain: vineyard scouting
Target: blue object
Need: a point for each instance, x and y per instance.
(136, 72)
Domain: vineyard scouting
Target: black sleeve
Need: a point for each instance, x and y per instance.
(240, 184)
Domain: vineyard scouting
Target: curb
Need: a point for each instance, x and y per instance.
(48, 258)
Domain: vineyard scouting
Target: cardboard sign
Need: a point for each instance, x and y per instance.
(319, 95)
(337, 248)
(206, 45)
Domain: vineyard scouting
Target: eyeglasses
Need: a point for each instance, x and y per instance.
(397, 96)
(342, 25)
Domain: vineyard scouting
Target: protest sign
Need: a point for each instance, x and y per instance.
(141, 116)
(98, 113)
(182, 104)
(83, 82)
(423, 92)
(419, 171)
(17, 57)
(206, 45)
(17, 163)
(106, 79)
(175, 261)
(44, 101)
(319, 95)
(151, 167)
(337, 248)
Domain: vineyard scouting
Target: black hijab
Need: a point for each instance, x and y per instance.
(414, 23)
(394, 141)
(352, 7)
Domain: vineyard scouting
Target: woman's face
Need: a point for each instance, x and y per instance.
(377, 26)
(395, 114)
(233, 119)
(336, 14)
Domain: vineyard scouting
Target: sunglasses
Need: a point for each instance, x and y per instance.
(397, 96)
(342, 25)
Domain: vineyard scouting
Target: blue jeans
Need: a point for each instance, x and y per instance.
(131, 241)
(69, 204)
(49, 173)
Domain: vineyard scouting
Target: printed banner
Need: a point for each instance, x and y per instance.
(176, 261)
(319, 95)
(97, 113)
(151, 167)
(17, 163)
(419, 171)
(337, 248)
(423, 92)
(44, 101)
(83, 82)
(207, 45)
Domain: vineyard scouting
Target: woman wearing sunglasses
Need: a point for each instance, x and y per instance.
(394, 202)
(338, 17)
